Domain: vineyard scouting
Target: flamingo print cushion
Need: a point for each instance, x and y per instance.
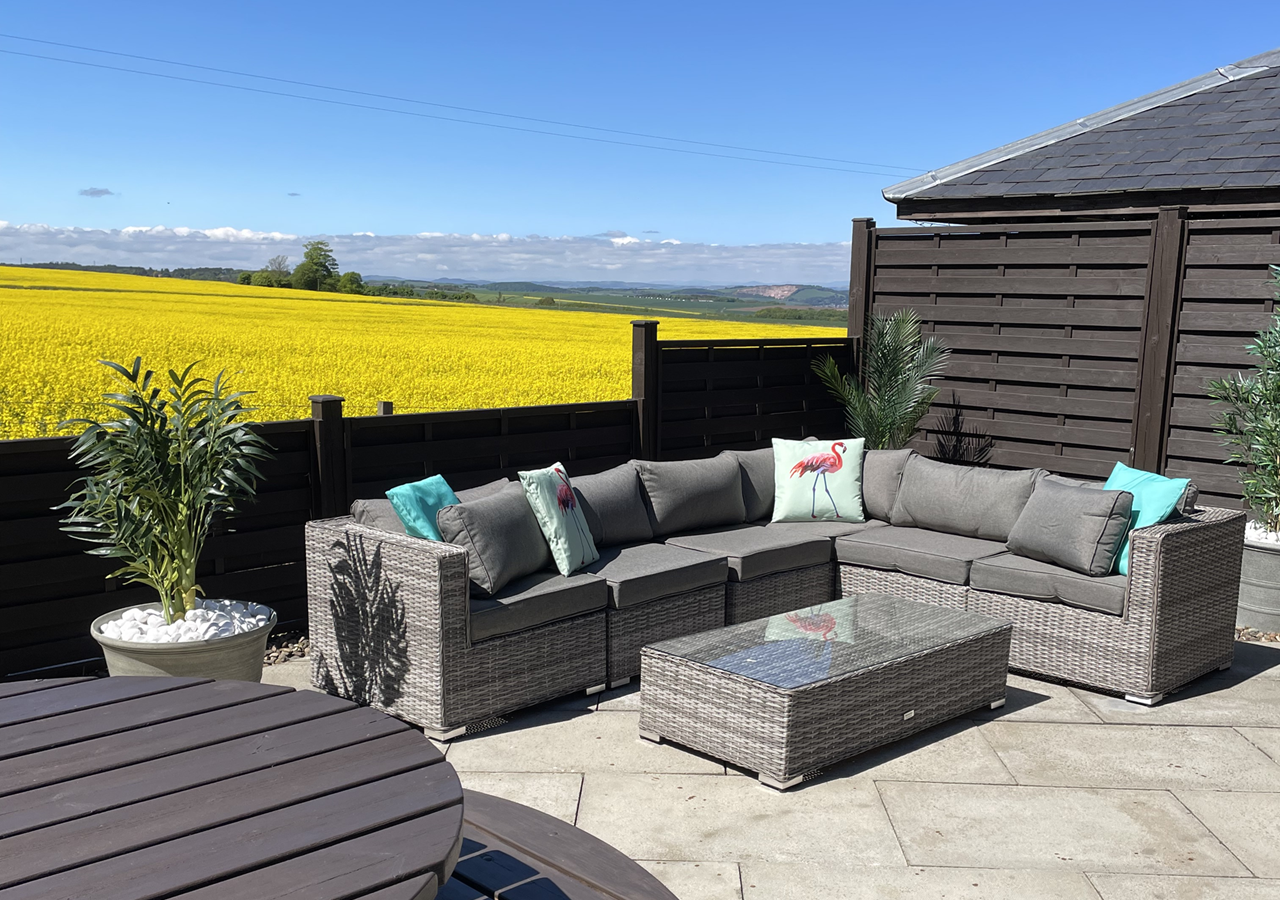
(560, 517)
(817, 481)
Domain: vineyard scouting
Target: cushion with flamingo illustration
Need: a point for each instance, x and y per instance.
(560, 517)
(817, 480)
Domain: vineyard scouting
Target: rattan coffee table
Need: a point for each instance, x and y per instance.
(787, 695)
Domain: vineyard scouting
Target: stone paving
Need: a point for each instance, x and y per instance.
(1063, 793)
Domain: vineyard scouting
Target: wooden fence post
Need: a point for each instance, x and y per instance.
(330, 455)
(644, 385)
(861, 271)
(386, 408)
(1159, 337)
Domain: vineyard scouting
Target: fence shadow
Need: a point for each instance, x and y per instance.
(369, 625)
(954, 442)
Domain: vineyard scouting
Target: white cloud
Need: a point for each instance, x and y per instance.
(499, 257)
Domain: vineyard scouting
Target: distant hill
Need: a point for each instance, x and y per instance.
(200, 273)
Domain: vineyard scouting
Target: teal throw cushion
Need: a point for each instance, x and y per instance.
(1154, 499)
(819, 480)
(560, 517)
(417, 504)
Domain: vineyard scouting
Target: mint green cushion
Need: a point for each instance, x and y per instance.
(817, 480)
(560, 517)
(1154, 500)
(417, 504)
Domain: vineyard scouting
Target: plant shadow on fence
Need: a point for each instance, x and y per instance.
(369, 626)
(954, 442)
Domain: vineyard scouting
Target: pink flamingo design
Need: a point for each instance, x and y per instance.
(821, 464)
(568, 503)
(818, 623)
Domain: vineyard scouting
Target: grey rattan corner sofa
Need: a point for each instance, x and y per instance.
(399, 623)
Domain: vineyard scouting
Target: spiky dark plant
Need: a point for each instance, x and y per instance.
(1251, 422)
(886, 407)
(160, 473)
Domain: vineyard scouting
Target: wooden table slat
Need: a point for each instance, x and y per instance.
(99, 721)
(500, 870)
(140, 825)
(102, 791)
(142, 744)
(15, 688)
(85, 694)
(242, 846)
(392, 853)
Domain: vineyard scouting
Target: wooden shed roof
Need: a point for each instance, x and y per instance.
(1218, 131)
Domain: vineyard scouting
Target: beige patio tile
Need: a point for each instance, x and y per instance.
(1029, 700)
(1224, 698)
(560, 741)
(1265, 739)
(294, 673)
(623, 699)
(1183, 887)
(1078, 829)
(952, 751)
(554, 794)
(698, 880)
(705, 817)
(1132, 756)
(1249, 824)
(801, 881)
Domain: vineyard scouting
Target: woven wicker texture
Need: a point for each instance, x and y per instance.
(906, 667)
(780, 592)
(667, 617)
(862, 580)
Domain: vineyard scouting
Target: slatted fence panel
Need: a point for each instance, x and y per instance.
(1045, 326)
(1227, 297)
(50, 590)
(715, 395)
(471, 447)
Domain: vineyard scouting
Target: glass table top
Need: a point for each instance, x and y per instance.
(830, 639)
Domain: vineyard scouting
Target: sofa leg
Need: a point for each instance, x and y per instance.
(778, 785)
(1143, 699)
(651, 736)
(595, 689)
(438, 734)
(996, 704)
(619, 683)
(1224, 667)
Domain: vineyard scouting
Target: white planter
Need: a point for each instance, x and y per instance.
(237, 657)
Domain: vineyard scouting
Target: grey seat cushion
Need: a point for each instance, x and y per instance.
(688, 494)
(1022, 577)
(915, 551)
(881, 475)
(535, 600)
(639, 573)
(963, 500)
(829, 530)
(753, 552)
(757, 481)
(501, 535)
(377, 513)
(614, 506)
(1078, 528)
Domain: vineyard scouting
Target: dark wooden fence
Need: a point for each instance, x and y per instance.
(1076, 345)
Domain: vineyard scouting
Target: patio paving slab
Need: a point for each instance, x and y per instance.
(554, 794)
(1132, 756)
(1079, 829)
(1027, 700)
(798, 881)
(1249, 824)
(1265, 739)
(562, 741)
(698, 880)
(1183, 887)
(708, 817)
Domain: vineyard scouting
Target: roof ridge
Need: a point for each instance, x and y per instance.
(1253, 65)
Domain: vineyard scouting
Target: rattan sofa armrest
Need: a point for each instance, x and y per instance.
(1186, 564)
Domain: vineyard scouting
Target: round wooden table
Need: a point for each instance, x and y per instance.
(137, 788)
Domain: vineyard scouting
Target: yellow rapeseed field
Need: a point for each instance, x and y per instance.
(286, 345)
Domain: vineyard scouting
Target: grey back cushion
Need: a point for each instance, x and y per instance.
(1186, 503)
(881, 475)
(483, 490)
(981, 503)
(757, 481)
(377, 513)
(688, 494)
(1076, 527)
(614, 506)
(501, 536)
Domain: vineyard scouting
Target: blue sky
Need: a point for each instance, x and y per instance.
(915, 86)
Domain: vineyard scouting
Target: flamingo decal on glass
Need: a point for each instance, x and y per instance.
(820, 624)
(567, 503)
(820, 465)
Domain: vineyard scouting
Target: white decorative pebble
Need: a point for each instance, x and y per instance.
(210, 618)
(1255, 532)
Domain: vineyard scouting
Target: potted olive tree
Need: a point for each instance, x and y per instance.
(1251, 426)
(162, 468)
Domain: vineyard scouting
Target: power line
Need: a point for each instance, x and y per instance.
(438, 105)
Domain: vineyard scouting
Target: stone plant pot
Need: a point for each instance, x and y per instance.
(1259, 606)
(234, 658)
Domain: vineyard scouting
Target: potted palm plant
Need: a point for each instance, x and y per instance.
(1250, 425)
(161, 469)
